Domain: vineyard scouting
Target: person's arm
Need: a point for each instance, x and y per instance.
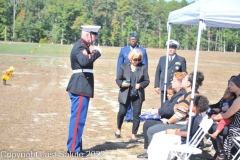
(145, 58)
(119, 61)
(172, 120)
(157, 77)
(146, 80)
(184, 65)
(84, 59)
(180, 112)
(120, 80)
(181, 133)
(166, 110)
(177, 132)
(231, 111)
(216, 105)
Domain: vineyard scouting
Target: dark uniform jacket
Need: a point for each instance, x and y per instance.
(166, 110)
(124, 74)
(178, 64)
(82, 83)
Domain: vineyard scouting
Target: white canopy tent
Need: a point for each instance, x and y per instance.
(212, 13)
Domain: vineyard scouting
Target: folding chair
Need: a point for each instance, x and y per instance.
(236, 144)
(183, 152)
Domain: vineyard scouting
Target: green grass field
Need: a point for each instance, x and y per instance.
(34, 49)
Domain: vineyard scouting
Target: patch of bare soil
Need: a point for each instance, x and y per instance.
(35, 108)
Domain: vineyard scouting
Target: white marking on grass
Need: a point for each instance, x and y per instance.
(64, 82)
(34, 140)
(38, 99)
(102, 137)
(102, 122)
(114, 90)
(37, 116)
(63, 66)
(27, 73)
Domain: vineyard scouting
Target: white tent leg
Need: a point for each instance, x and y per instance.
(166, 67)
(194, 76)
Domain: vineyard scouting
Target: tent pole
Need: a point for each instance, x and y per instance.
(194, 77)
(167, 60)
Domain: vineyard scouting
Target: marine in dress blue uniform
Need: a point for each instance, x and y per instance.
(81, 86)
(123, 58)
(176, 64)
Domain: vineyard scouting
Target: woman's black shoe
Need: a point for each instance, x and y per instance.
(117, 135)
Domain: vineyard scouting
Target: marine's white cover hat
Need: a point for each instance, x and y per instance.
(91, 28)
(173, 43)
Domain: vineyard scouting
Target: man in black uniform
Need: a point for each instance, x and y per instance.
(175, 64)
(81, 86)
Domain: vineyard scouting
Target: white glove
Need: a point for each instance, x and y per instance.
(98, 48)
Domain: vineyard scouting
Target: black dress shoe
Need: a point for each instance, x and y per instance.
(82, 154)
(133, 140)
(144, 155)
(117, 135)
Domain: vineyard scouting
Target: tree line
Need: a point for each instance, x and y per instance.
(59, 21)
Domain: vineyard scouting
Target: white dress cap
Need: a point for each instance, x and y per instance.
(173, 43)
(90, 28)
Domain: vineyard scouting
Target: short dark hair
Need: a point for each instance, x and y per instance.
(170, 88)
(199, 79)
(201, 102)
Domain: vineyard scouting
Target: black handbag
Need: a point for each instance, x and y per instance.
(133, 92)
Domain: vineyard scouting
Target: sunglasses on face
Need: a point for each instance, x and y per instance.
(137, 60)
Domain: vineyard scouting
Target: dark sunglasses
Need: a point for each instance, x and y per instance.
(135, 60)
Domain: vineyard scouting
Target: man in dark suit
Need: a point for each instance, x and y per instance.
(175, 64)
(81, 87)
(123, 58)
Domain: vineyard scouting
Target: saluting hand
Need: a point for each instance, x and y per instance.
(98, 48)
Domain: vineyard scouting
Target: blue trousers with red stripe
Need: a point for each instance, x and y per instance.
(79, 109)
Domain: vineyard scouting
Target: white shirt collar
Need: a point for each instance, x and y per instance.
(172, 56)
(132, 48)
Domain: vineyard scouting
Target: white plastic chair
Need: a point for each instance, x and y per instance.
(236, 144)
(183, 152)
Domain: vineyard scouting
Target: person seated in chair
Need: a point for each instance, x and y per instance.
(161, 143)
(210, 112)
(179, 112)
(228, 97)
(233, 130)
(166, 110)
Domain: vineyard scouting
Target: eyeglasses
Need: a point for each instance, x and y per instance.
(135, 60)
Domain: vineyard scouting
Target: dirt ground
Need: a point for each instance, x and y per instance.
(35, 108)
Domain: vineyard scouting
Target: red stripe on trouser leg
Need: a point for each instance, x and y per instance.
(76, 124)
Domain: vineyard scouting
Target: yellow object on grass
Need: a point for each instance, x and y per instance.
(5, 77)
